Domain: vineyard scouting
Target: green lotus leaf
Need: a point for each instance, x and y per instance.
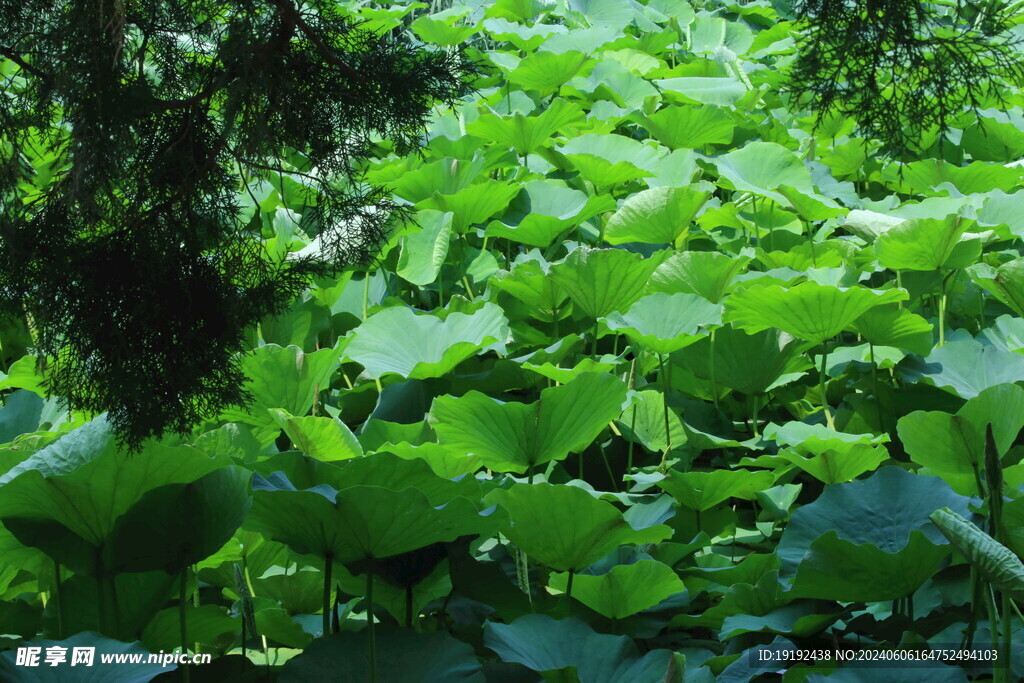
(403, 656)
(661, 215)
(546, 72)
(966, 367)
(177, 525)
(359, 522)
(526, 134)
(625, 590)
(707, 273)
(529, 281)
(748, 363)
(920, 177)
(762, 167)
(834, 466)
(564, 527)
(703, 490)
(323, 438)
(953, 446)
(1005, 283)
(869, 225)
(896, 327)
(474, 204)
(719, 91)
(600, 281)
(397, 340)
(67, 497)
(543, 644)
(210, 625)
(424, 252)
(817, 437)
(708, 34)
(127, 670)
(690, 127)
(928, 244)
(512, 437)
(439, 29)
(996, 563)
(663, 323)
(611, 159)
(809, 311)
(644, 422)
(282, 377)
(445, 462)
(545, 209)
(611, 80)
(867, 540)
(525, 38)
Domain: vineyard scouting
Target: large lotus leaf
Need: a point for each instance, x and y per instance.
(748, 363)
(896, 327)
(868, 225)
(210, 625)
(624, 590)
(526, 134)
(385, 470)
(564, 527)
(710, 34)
(541, 643)
(282, 377)
(323, 438)
(512, 437)
(703, 490)
(546, 72)
(721, 91)
(397, 340)
(1006, 282)
(97, 672)
(177, 525)
(359, 522)
(660, 215)
(809, 311)
(474, 204)
(612, 80)
(690, 126)
(529, 282)
(611, 157)
(867, 540)
(403, 656)
(919, 177)
(996, 563)
(444, 176)
(761, 167)
(525, 38)
(543, 210)
(707, 273)
(424, 252)
(965, 367)
(79, 486)
(663, 323)
(644, 422)
(834, 466)
(928, 244)
(600, 281)
(953, 446)
(817, 438)
(443, 28)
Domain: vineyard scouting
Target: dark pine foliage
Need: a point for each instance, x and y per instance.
(134, 265)
(905, 68)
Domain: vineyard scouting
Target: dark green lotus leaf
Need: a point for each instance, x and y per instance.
(359, 522)
(566, 528)
(403, 656)
(541, 643)
(73, 491)
(624, 590)
(512, 437)
(749, 363)
(867, 540)
(176, 525)
(704, 490)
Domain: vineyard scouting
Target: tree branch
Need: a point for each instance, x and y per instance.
(291, 15)
(20, 61)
